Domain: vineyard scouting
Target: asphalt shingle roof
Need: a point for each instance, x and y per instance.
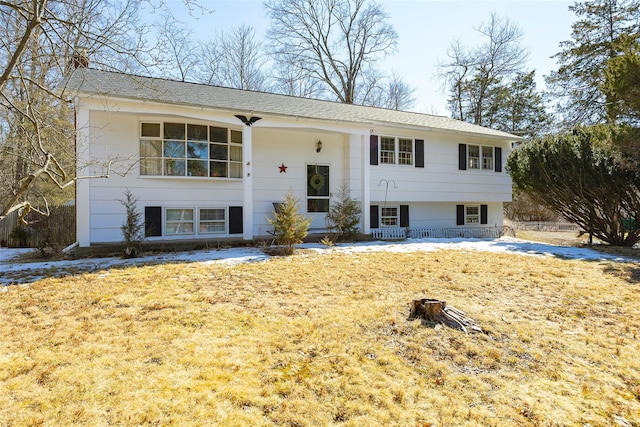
(119, 85)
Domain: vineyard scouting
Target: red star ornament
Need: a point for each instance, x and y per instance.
(283, 168)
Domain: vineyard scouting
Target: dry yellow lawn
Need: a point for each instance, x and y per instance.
(324, 339)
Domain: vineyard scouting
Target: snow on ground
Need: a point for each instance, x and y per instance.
(14, 271)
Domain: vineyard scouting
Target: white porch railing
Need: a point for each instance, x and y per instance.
(442, 233)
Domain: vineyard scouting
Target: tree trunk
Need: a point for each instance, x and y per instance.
(433, 310)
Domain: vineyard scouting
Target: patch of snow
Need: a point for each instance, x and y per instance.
(12, 272)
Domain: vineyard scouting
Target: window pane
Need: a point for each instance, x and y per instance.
(487, 157)
(197, 168)
(217, 134)
(317, 205)
(387, 144)
(218, 152)
(235, 170)
(150, 130)
(197, 132)
(236, 136)
(179, 214)
(174, 131)
(474, 157)
(317, 180)
(235, 153)
(174, 167)
(197, 150)
(150, 148)
(211, 214)
(174, 149)
(218, 169)
(405, 145)
(389, 222)
(179, 228)
(150, 166)
(212, 227)
(389, 211)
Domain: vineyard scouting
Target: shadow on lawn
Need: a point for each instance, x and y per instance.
(627, 272)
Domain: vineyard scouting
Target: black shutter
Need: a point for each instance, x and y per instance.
(459, 214)
(419, 153)
(498, 159)
(483, 214)
(235, 220)
(373, 150)
(404, 215)
(462, 157)
(374, 216)
(152, 221)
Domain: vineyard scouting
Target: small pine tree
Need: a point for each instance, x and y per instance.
(343, 218)
(289, 227)
(133, 227)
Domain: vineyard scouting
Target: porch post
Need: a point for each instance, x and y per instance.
(247, 183)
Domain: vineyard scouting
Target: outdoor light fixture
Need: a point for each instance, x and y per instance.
(318, 146)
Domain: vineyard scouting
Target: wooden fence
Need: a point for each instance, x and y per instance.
(59, 229)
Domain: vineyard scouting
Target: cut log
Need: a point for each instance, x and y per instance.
(433, 310)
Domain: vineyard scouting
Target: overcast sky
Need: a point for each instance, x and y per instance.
(426, 29)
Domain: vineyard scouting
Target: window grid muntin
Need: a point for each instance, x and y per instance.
(178, 157)
(472, 214)
(179, 221)
(389, 216)
(474, 156)
(405, 151)
(387, 150)
(395, 150)
(212, 221)
(487, 157)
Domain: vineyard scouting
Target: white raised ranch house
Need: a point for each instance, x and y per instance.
(208, 162)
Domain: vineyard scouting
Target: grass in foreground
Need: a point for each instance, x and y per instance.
(325, 340)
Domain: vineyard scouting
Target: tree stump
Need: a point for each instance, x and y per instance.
(433, 310)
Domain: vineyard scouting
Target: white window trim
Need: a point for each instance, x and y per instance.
(162, 158)
(166, 220)
(196, 221)
(481, 159)
(467, 215)
(214, 233)
(396, 151)
(397, 216)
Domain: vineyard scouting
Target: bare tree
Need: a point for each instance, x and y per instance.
(472, 75)
(242, 60)
(390, 92)
(175, 57)
(40, 41)
(332, 42)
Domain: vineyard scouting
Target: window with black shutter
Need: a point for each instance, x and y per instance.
(373, 150)
(419, 153)
(404, 215)
(374, 216)
(152, 221)
(235, 220)
(462, 157)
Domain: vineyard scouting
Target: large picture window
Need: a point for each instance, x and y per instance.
(184, 149)
(317, 188)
